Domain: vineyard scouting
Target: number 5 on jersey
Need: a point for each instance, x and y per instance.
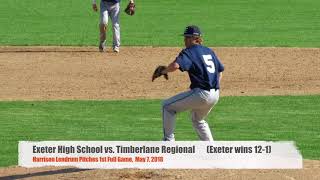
(210, 65)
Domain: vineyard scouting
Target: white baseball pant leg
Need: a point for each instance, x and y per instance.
(112, 10)
(199, 102)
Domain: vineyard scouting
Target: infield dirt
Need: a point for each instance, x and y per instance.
(311, 171)
(59, 73)
(52, 73)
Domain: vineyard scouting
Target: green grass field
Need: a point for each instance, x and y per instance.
(224, 23)
(294, 118)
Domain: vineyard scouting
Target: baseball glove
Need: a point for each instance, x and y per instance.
(158, 72)
(130, 9)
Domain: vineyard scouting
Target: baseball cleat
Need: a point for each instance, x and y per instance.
(102, 47)
(116, 49)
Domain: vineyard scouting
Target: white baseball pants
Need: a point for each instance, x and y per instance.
(199, 102)
(112, 10)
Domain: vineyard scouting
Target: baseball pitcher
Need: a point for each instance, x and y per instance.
(205, 72)
(111, 8)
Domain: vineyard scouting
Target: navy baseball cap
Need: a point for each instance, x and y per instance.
(192, 31)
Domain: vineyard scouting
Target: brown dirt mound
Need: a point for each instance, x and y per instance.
(38, 73)
(310, 171)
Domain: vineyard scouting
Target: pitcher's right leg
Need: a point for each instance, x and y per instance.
(198, 114)
(200, 125)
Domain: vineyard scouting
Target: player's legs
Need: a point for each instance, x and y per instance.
(103, 24)
(114, 13)
(181, 102)
(199, 114)
(102, 42)
(200, 125)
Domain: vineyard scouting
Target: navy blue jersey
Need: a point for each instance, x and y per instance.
(202, 65)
